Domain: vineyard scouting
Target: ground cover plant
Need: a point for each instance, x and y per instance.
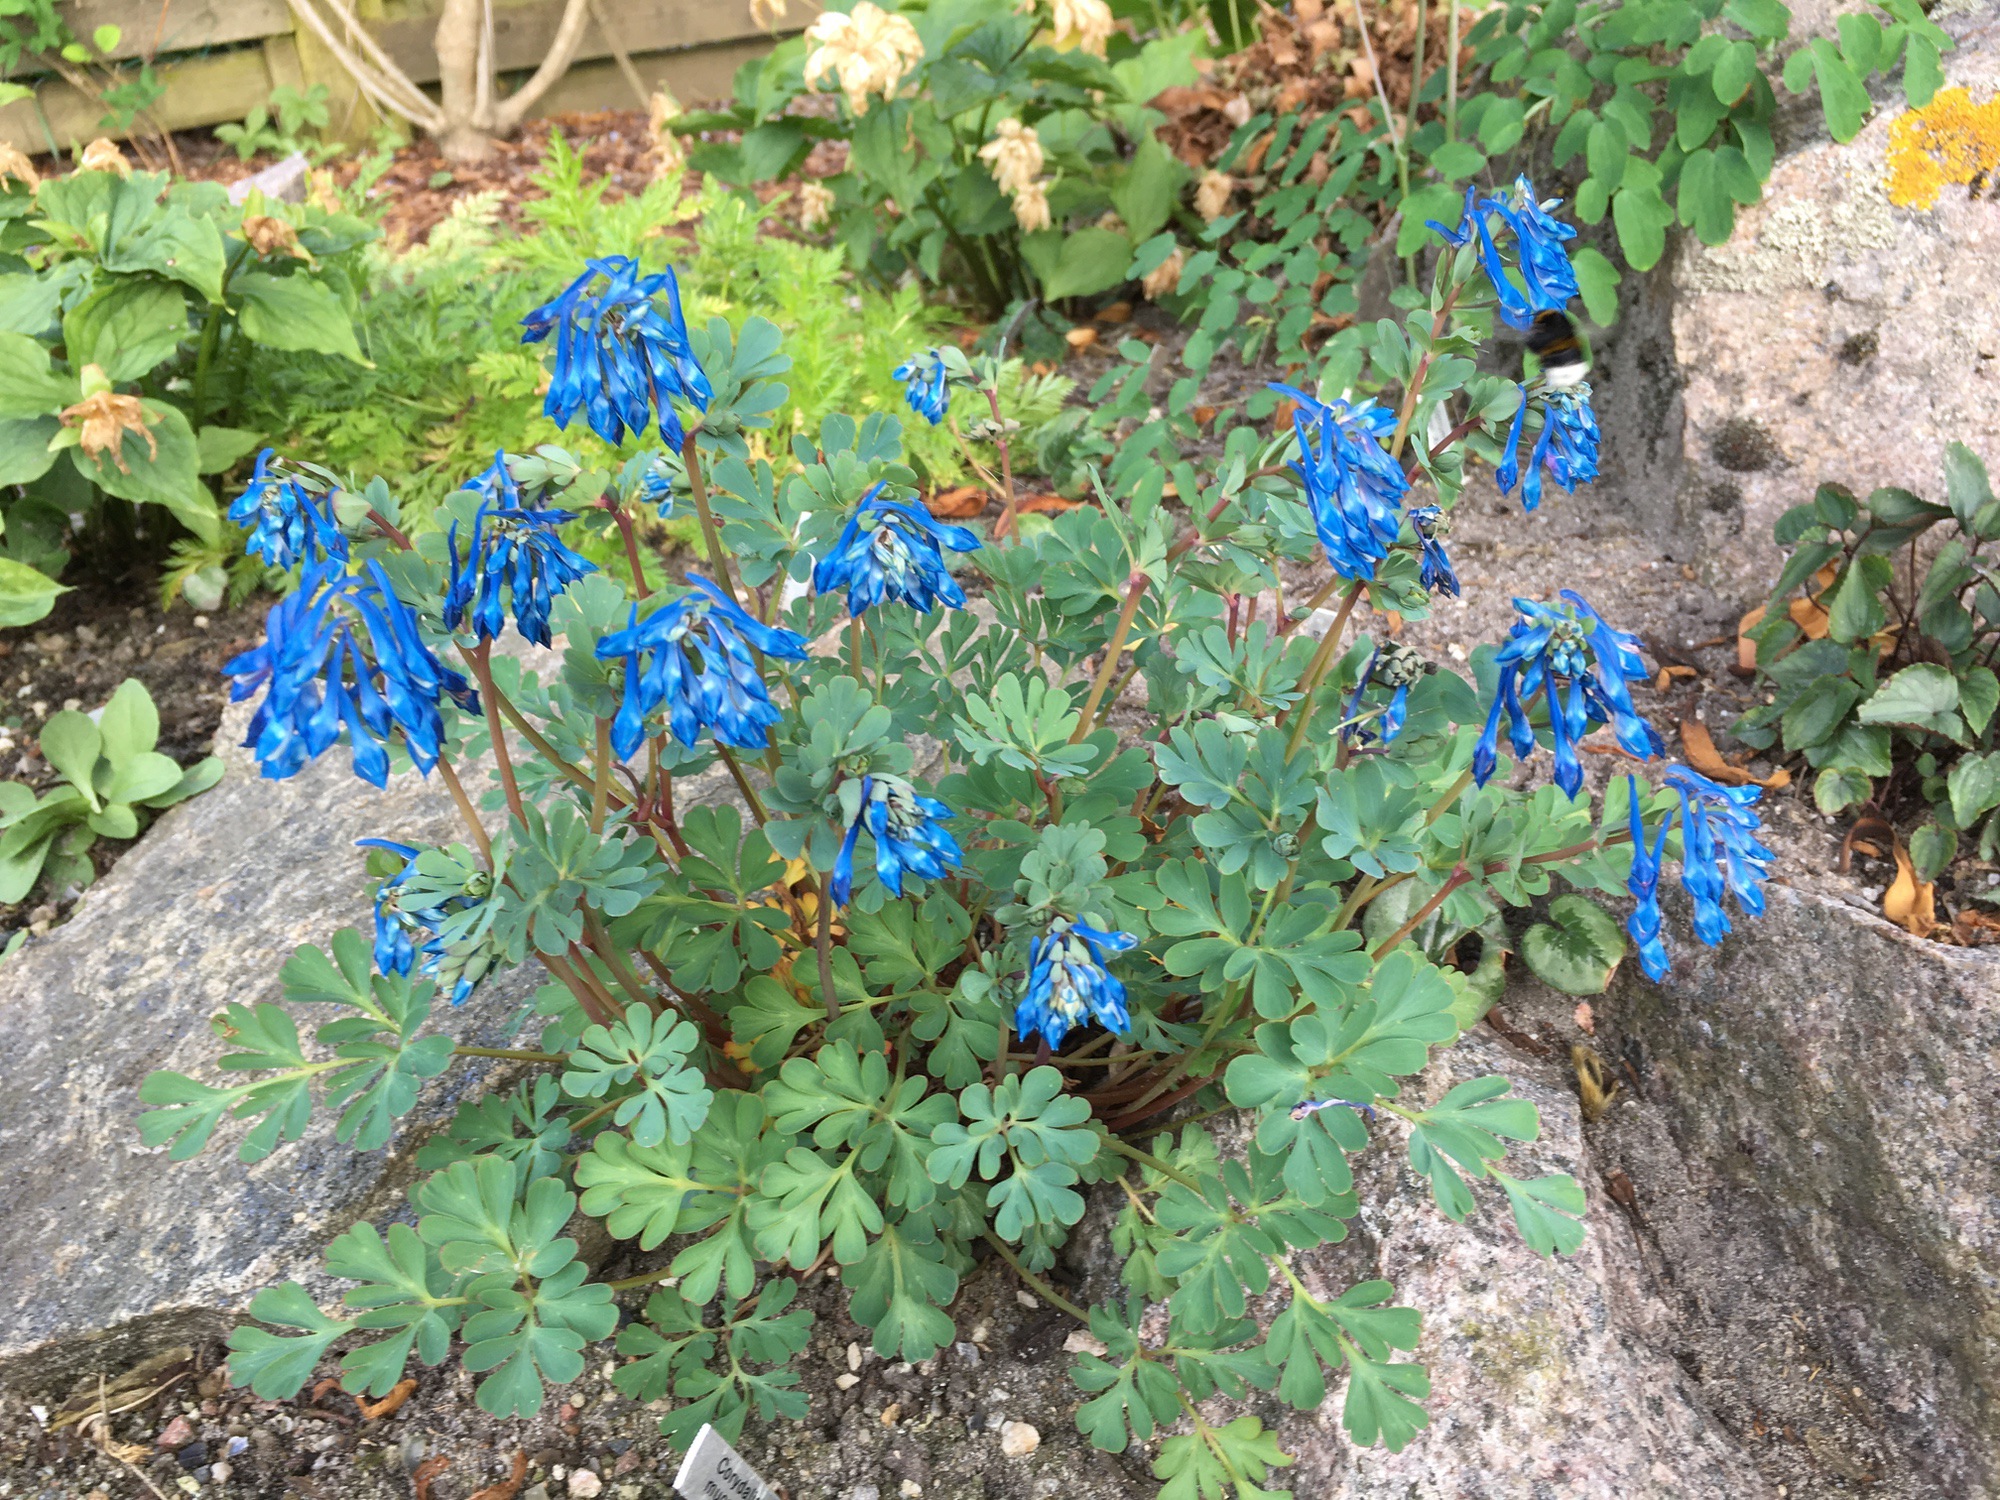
(1015, 891)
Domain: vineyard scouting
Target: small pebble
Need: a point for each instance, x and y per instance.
(1027, 1300)
(1080, 1342)
(891, 1413)
(909, 1489)
(853, 1356)
(847, 1382)
(1018, 1439)
(72, 704)
(585, 1485)
(220, 1472)
(201, 622)
(176, 1434)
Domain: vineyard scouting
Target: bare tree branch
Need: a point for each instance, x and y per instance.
(569, 35)
(385, 84)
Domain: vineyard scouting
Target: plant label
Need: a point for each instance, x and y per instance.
(713, 1470)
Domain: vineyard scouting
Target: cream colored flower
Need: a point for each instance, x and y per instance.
(669, 151)
(103, 155)
(869, 51)
(103, 419)
(1083, 23)
(13, 163)
(1212, 193)
(815, 205)
(1031, 207)
(1165, 277)
(767, 13)
(1013, 156)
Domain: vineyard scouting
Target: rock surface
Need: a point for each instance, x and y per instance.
(1817, 1167)
(1837, 337)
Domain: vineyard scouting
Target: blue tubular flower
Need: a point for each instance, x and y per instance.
(319, 679)
(511, 546)
(889, 550)
(908, 837)
(1644, 884)
(1353, 487)
(1549, 278)
(402, 933)
(694, 658)
(1068, 983)
(926, 386)
(1313, 1106)
(620, 358)
(1567, 447)
(1720, 852)
(288, 523)
(1581, 666)
(1396, 667)
(1434, 570)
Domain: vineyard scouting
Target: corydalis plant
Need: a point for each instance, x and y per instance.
(1005, 901)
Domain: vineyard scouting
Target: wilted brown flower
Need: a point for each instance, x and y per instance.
(1013, 156)
(103, 155)
(1031, 207)
(14, 163)
(1165, 277)
(1212, 193)
(1083, 23)
(103, 420)
(270, 235)
(669, 151)
(815, 205)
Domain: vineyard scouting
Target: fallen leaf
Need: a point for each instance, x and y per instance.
(958, 503)
(1812, 621)
(1669, 675)
(1698, 745)
(1202, 414)
(1909, 902)
(1585, 1019)
(1595, 1086)
(1866, 834)
(1080, 338)
(389, 1404)
(1029, 504)
(509, 1487)
(1117, 312)
(1746, 649)
(428, 1470)
(1972, 928)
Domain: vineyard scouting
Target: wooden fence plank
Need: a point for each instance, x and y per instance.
(147, 27)
(522, 34)
(200, 91)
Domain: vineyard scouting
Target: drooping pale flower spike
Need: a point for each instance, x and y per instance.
(1068, 983)
(1567, 447)
(926, 385)
(868, 51)
(909, 839)
(621, 358)
(693, 657)
(1581, 666)
(1548, 279)
(1354, 489)
(1720, 853)
(320, 680)
(288, 522)
(514, 547)
(890, 550)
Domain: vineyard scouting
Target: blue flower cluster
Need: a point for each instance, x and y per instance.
(1567, 447)
(890, 550)
(1353, 487)
(1719, 851)
(1068, 982)
(1364, 726)
(289, 523)
(926, 386)
(402, 934)
(696, 659)
(620, 357)
(909, 839)
(511, 547)
(1434, 570)
(1548, 277)
(319, 680)
(1569, 644)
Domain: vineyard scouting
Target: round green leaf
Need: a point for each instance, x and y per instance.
(1577, 950)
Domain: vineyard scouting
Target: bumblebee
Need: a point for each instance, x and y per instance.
(1553, 340)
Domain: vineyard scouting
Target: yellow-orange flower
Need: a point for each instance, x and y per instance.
(103, 155)
(868, 51)
(1013, 156)
(103, 420)
(1949, 140)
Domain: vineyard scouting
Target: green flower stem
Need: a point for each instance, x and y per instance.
(1322, 660)
(1043, 1290)
(823, 946)
(479, 658)
(1135, 590)
(211, 340)
(711, 537)
(513, 1053)
(466, 811)
(1462, 876)
(631, 536)
(1286, 625)
(587, 995)
(1146, 1158)
(1416, 74)
(1451, 77)
(600, 793)
(1440, 321)
(749, 792)
(614, 958)
(644, 1278)
(1007, 520)
(594, 1116)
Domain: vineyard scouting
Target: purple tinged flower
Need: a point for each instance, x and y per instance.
(1581, 665)
(341, 655)
(621, 356)
(926, 385)
(1069, 984)
(695, 658)
(1354, 489)
(289, 522)
(909, 839)
(1567, 447)
(514, 547)
(890, 550)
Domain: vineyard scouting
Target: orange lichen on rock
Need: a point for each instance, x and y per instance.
(1949, 140)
